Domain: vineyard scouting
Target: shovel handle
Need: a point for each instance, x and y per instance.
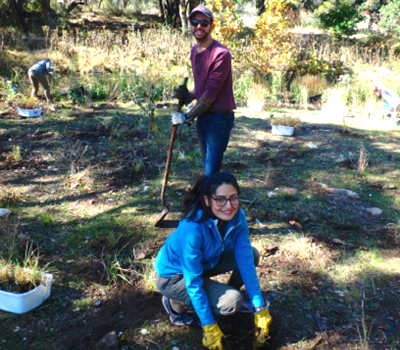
(168, 164)
(169, 158)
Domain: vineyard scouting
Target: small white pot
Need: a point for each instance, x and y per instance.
(35, 112)
(282, 130)
(21, 303)
(394, 121)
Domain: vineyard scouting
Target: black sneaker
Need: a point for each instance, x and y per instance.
(182, 319)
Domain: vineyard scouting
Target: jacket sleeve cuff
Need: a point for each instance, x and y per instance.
(267, 303)
(258, 301)
(208, 323)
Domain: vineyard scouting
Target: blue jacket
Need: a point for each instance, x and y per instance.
(196, 247)
(43, 66)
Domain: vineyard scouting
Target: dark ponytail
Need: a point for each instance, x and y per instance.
(205, 186)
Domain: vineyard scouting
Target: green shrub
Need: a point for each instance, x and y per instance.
(341, 20)
(241, 88)
(390, 19)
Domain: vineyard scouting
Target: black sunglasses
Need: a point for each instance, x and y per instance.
(203, 22)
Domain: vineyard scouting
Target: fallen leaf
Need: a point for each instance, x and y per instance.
(337, 241)
(74, 184)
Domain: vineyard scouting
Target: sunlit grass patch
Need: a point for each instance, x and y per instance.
(296, 246)
(83, 304)
(375, 263)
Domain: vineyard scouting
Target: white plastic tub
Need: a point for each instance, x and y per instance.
(394, 121)
(282, 130)
(21, 303)
(35, 112)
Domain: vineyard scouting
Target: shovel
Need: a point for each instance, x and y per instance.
(161, 222)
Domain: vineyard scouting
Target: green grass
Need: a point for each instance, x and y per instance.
(308, 272)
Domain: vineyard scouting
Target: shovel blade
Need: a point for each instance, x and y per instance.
(166, 223)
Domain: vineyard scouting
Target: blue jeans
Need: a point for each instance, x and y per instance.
(213, 131)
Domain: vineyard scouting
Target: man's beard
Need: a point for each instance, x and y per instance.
(204, 37)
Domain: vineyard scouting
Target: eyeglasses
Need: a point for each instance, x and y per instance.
(222, 201)
(203, 22)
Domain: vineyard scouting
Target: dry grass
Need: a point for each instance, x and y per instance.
(8, 197)
(256, 97)
(303, 248)
(363, 160)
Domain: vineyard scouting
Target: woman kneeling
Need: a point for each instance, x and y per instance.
(212, 239)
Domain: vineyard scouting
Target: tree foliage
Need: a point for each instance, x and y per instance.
(390, 16)
(272, 41)
(342, 20)
(227, 20)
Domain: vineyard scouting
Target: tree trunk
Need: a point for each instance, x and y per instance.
(172, 16)
(260, 5)
(48, 17)
(74, 4)
(20, 3)
(183, 13)
(16, 14)
(162, 11)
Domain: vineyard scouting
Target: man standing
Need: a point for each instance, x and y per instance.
(212, 72)
(37, 74)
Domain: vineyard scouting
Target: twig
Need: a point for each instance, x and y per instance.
(321, 326)
(316, 342)
(152, 341)
(251, 203)
(243, 338)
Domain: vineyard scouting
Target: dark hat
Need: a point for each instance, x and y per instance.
(204, 10)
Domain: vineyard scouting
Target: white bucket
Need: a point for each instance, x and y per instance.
(35, 112)
(282, 130)
(21, 303)
(394, 121)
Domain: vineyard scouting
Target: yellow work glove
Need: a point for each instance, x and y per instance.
(262, 320)
(212, 337)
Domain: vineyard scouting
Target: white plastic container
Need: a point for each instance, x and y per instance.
(282, 130)
(35, 112)
(394, 121)
(21, 303)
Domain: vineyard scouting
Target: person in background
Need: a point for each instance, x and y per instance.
(211, 239)
(391, 100)
(212, 73)
(37, 74)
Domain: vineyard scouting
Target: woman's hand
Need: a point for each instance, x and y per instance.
(212, 337)
(262, 320)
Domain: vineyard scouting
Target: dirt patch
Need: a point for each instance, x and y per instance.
(231, 166)
(348, 132)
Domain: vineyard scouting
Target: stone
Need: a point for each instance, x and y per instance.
(272, 194)
(312, 146)
(375, 211)
(350, 194)
(108, 342)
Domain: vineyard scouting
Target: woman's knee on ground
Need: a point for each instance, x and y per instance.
(229, 303)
